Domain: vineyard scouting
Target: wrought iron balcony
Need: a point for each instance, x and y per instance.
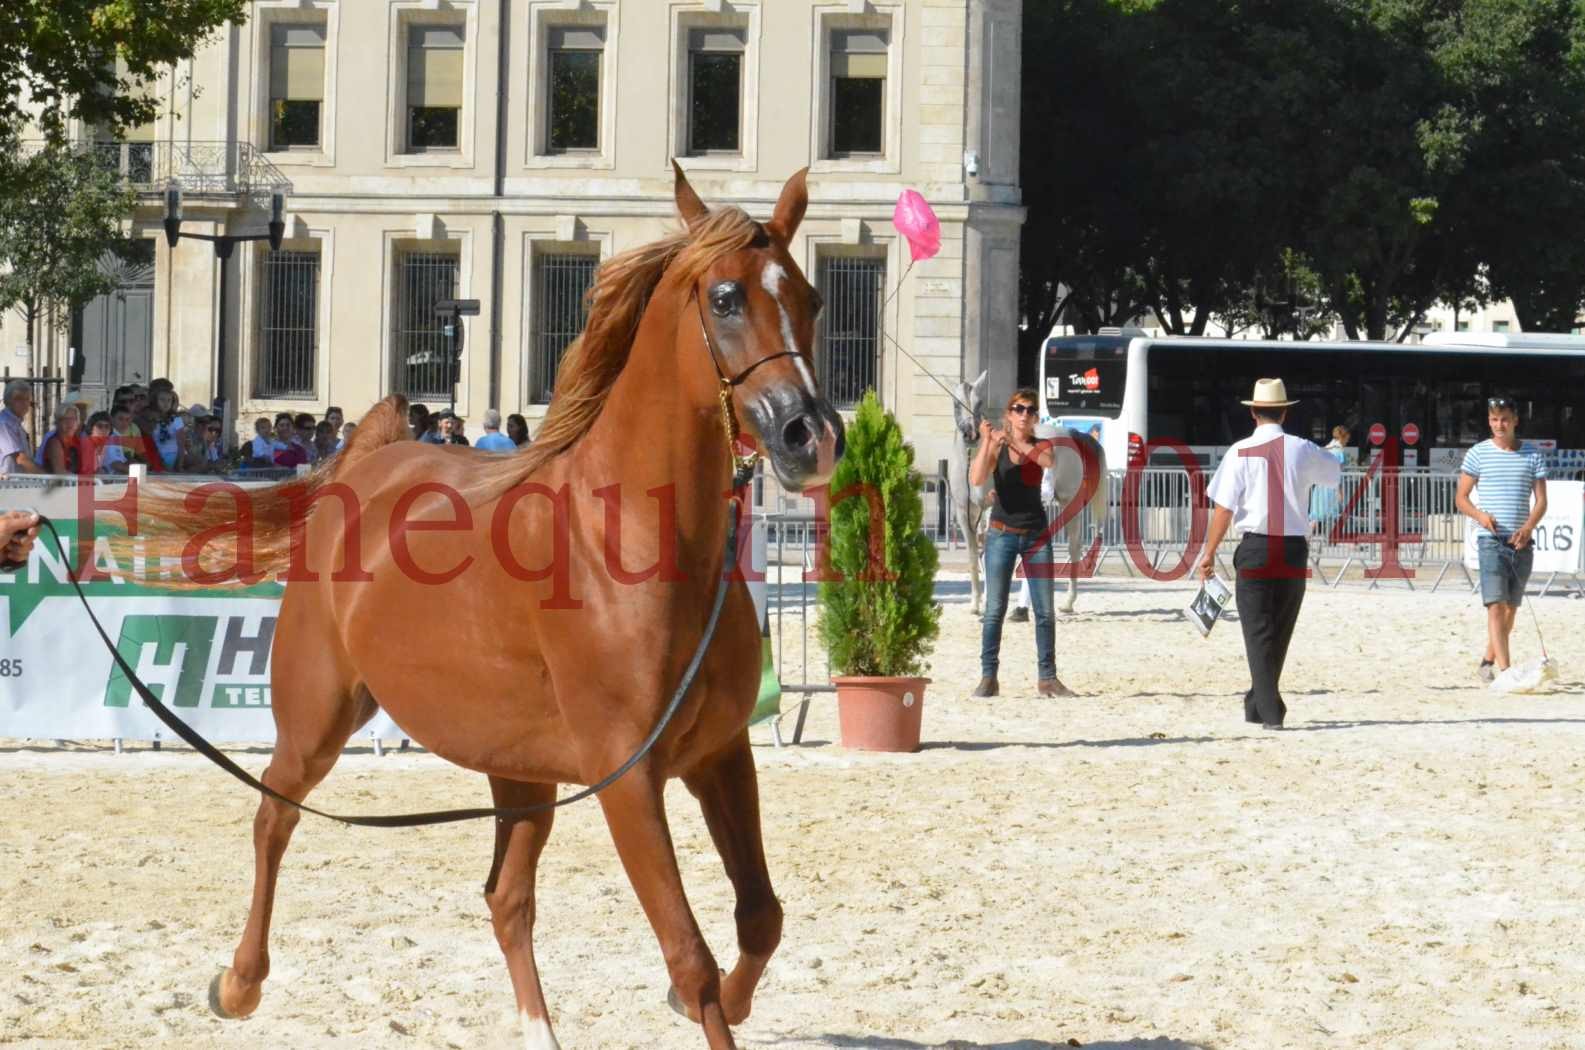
(213, 169)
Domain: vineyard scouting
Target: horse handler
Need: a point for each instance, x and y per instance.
(1272, 555)
(1013, 459)
(18, 530)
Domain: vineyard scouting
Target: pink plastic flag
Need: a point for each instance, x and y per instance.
(915, 221)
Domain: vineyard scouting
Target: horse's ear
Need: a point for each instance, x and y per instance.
(689, 206)
(790, 208)
(979, 386)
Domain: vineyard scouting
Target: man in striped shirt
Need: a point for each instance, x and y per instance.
(1507, 474)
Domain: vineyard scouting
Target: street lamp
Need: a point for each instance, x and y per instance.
(224, 243)
(452, 311)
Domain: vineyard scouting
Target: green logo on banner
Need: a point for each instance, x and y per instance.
(170, 654)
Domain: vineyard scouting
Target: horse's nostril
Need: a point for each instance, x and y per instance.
(799, 433)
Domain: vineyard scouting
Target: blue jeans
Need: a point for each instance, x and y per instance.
(1002, 551)
(1503, 571)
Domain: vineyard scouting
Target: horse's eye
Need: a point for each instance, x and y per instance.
(725, 298)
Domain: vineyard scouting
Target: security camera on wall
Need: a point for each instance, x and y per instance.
(971, 163)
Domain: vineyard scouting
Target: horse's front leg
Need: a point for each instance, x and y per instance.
(971, 542)
(728, 795)
(635, 811)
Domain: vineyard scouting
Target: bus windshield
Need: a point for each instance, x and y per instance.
(1084, 375)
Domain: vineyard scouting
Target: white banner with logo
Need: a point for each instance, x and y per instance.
(205, 654)
(1557, 538)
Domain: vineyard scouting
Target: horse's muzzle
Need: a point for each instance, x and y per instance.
(804, 439)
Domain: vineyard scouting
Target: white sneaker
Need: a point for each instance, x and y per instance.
(1521, 678)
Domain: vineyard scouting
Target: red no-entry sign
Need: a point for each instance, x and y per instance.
(1378, 433)
(1411, 433)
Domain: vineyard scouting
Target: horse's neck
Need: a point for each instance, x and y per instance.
(958, 472)
(657, 430)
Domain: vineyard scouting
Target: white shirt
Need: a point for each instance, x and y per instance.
(1240, 482)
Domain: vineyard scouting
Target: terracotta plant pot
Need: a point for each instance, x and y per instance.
(880, 714)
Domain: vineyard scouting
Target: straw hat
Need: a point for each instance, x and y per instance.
(1269, 393)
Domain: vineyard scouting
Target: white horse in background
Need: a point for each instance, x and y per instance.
(968, 503)
(1067, 482)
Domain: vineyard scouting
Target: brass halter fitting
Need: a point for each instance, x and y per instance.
(742, 465)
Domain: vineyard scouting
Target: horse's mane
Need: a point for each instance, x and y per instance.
(621, 292)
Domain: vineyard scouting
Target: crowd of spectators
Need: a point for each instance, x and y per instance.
(149, 425)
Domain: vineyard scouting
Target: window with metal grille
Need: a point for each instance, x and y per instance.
(715, 90)
(297, 85)
(560, 283)
(858, 91)
(288, 324)
(434, 87)
(848, 360)
(573, 89)
(419, 346)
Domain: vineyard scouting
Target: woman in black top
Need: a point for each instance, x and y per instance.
(1015, 462)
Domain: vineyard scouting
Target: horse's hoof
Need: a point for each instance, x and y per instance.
(674, 1001)
(240, 1004)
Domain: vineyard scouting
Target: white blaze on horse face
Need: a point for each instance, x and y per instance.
(770, 279)
(537, 1034)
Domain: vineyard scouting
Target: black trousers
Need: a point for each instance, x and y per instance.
(1269, 595)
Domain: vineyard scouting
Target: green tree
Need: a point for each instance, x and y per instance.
(58, 58)
(1160, 156)
(1520, 64)
(878, 616)
(1280, 162)
(61, 213)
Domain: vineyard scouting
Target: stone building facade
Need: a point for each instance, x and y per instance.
(498, 149)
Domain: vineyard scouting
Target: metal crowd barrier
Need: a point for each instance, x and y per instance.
(1155, 524)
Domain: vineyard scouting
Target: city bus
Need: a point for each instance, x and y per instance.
(1128, 389)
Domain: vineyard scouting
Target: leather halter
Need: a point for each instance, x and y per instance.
(742, 466)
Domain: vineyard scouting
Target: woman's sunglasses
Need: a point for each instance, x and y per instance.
(1021, 410)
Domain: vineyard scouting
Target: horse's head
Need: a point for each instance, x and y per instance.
(967, 409)
(754, 308)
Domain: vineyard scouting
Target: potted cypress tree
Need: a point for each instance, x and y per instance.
(878, 615)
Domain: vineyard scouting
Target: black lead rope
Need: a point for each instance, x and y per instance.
(447, 816)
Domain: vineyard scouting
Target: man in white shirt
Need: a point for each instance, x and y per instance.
(1262, 490)
(16, 451)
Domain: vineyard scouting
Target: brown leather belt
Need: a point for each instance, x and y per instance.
(1008, 528)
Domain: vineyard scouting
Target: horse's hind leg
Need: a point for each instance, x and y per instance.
(636, 814)
(1071, 531)
(312, 726)
(728, 794)
(510, 893)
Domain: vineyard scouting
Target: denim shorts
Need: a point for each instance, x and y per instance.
(1503, 571)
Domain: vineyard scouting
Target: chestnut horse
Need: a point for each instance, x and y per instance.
(529, 616)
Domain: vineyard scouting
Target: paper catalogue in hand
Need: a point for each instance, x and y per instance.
(1208, 604)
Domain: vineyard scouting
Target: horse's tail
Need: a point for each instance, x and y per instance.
(1101, 498)
(224, 535)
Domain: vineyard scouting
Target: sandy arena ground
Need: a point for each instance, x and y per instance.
(1134, 868)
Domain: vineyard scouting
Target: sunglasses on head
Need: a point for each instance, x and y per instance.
(1021, 410)
(1498, 403)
